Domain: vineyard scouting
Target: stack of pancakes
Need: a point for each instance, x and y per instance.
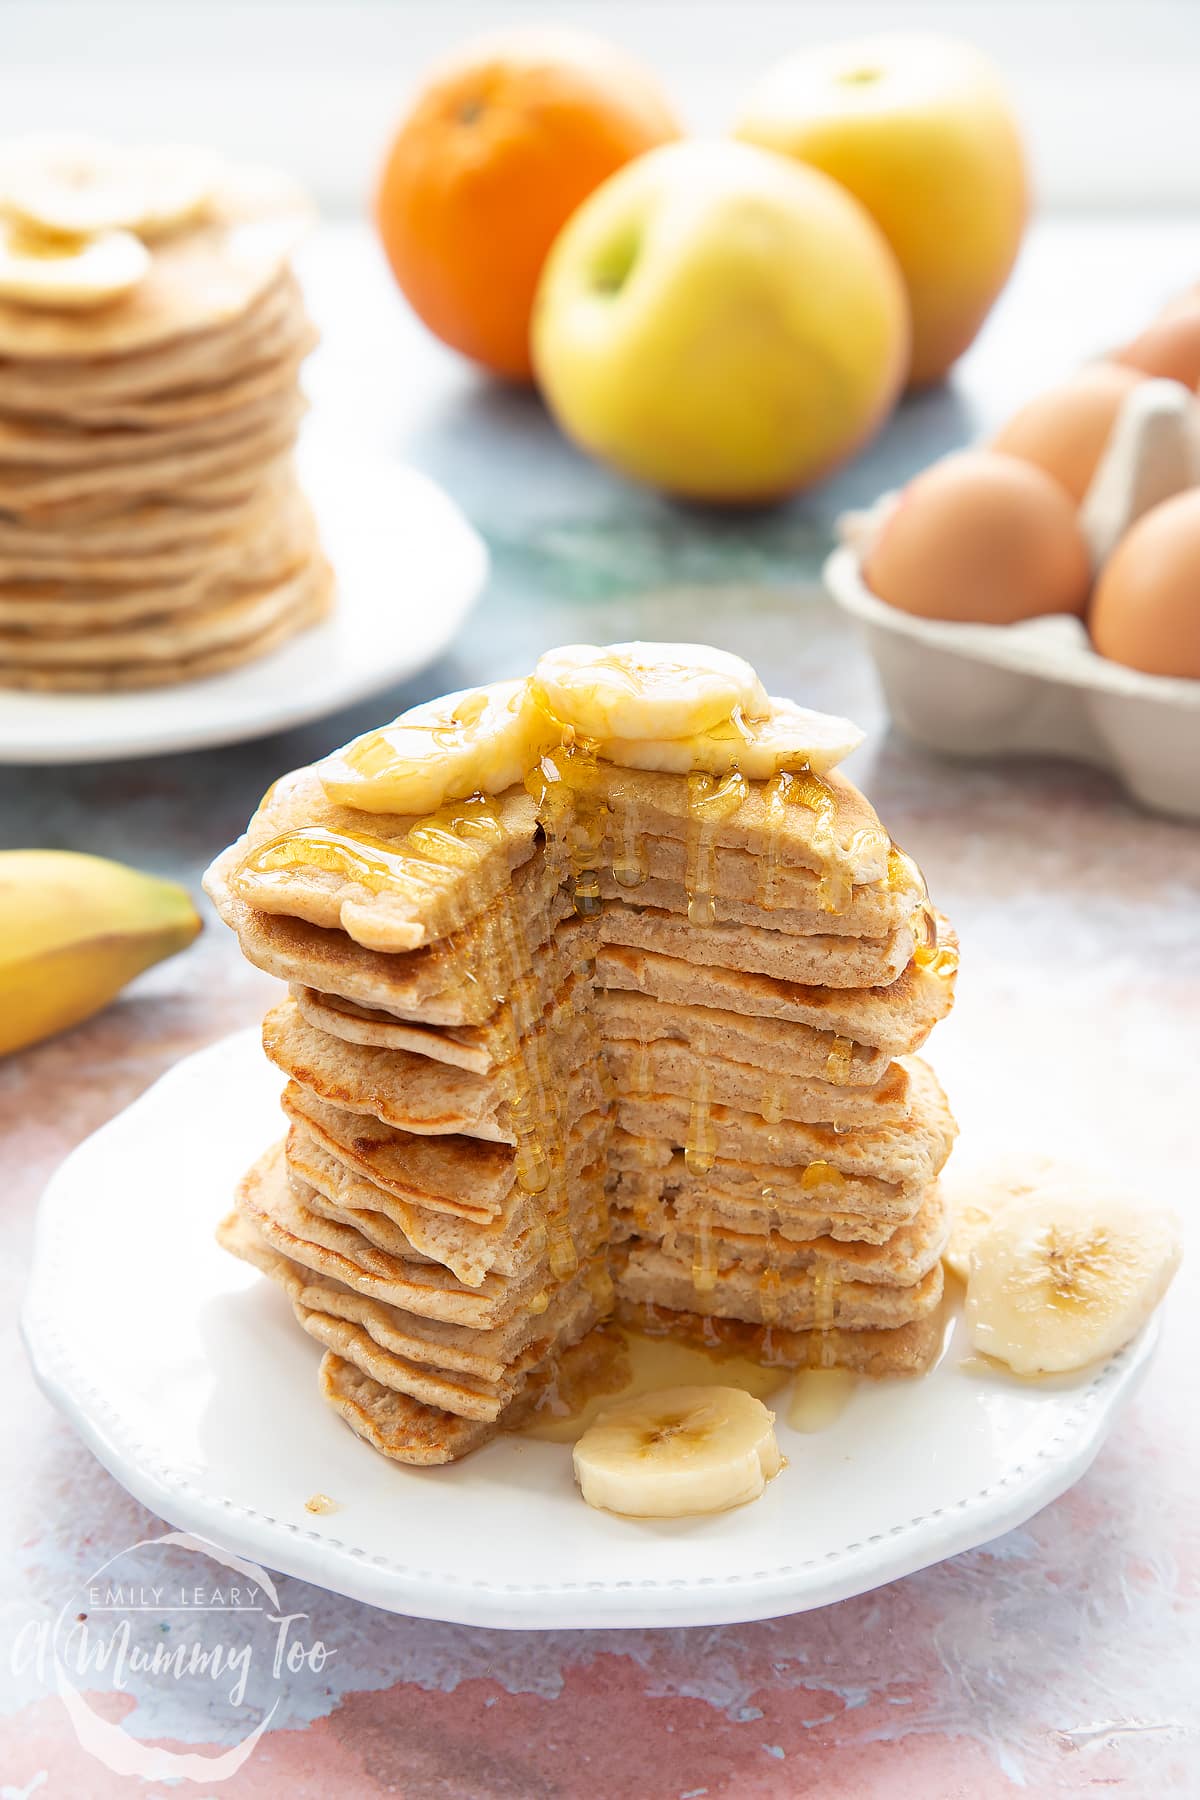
(610, 1040)
(151, 525)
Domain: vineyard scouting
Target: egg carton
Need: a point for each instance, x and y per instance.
(1038, 687)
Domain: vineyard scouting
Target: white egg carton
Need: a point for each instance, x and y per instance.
(1039, 688)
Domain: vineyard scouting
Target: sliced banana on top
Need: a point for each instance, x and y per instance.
(82, 186)
(646, 691)
(69, 273)
(480, 741)
(787, 737)
(1061, 1280)
(679, 1452)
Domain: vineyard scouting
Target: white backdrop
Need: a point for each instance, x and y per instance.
(1107, 88)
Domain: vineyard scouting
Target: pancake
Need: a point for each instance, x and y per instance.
(152, 530)
(565, 1041)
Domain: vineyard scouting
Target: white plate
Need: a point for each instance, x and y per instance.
(408, 568)
(186, 1374)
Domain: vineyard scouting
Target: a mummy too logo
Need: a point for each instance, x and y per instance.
(192, 1636)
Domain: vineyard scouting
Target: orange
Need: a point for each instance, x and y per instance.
(498, 150)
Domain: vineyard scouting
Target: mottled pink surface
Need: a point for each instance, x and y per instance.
(1061, 1660)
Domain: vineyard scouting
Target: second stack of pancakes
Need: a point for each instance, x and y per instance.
(152, 526)
(610, 1040)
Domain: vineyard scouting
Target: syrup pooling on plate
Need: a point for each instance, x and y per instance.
(819, 1397)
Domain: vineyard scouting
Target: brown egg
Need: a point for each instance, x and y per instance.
(1145, 612)
(983, 538)
(1170, 346)
(1064, 430)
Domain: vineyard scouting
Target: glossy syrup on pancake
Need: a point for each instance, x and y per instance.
(452, 870)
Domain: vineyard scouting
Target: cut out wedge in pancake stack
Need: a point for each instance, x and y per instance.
(590, 1012)
(151, 339)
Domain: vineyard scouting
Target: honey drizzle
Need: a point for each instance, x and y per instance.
(837, 1063)
(928, 954)
(422, 867)
(770, 1282)
(835, 889)
(771, 1110)
(711, 800)
(821, 1174)
(629, 866)
(442, 860)
(447, 854)
(704, 1260)
(571, 813)
(940, 961)
(777, 798)
(800, 787)
(822, 1345)
(699, 1151)
(642, 1087)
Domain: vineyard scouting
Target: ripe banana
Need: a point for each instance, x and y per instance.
(646, 690)
(72, 273)
(977, 1194)
(73, 930)
(785, 736)
(480, 741)
(678, 1452)
(80, 186)
(1063, 1279)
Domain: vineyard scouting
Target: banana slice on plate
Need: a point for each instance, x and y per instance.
(646, 691)
(1060, 1280)
(679, 1452)
(977, 1194)
(480, 741)
(69, 273)
(81, 186)
(787, 736)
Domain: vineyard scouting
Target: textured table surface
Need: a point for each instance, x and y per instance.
(1060, 1659)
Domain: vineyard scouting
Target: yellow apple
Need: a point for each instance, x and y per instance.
(919, 129)
(721, 323)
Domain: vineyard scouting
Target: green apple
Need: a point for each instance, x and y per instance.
(720, 322)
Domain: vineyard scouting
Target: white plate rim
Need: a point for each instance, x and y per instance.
(332, 1562)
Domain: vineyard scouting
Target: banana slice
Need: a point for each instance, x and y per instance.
(681, 1451)
(1060, 1280)
(479, 741)
(978, 1194)
(69, 273)
(646, 691)
(786, 737)
(81, 186)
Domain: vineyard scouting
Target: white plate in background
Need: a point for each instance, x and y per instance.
(187, 1375)
(408, 566)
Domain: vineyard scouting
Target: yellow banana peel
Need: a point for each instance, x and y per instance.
(73, 930)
